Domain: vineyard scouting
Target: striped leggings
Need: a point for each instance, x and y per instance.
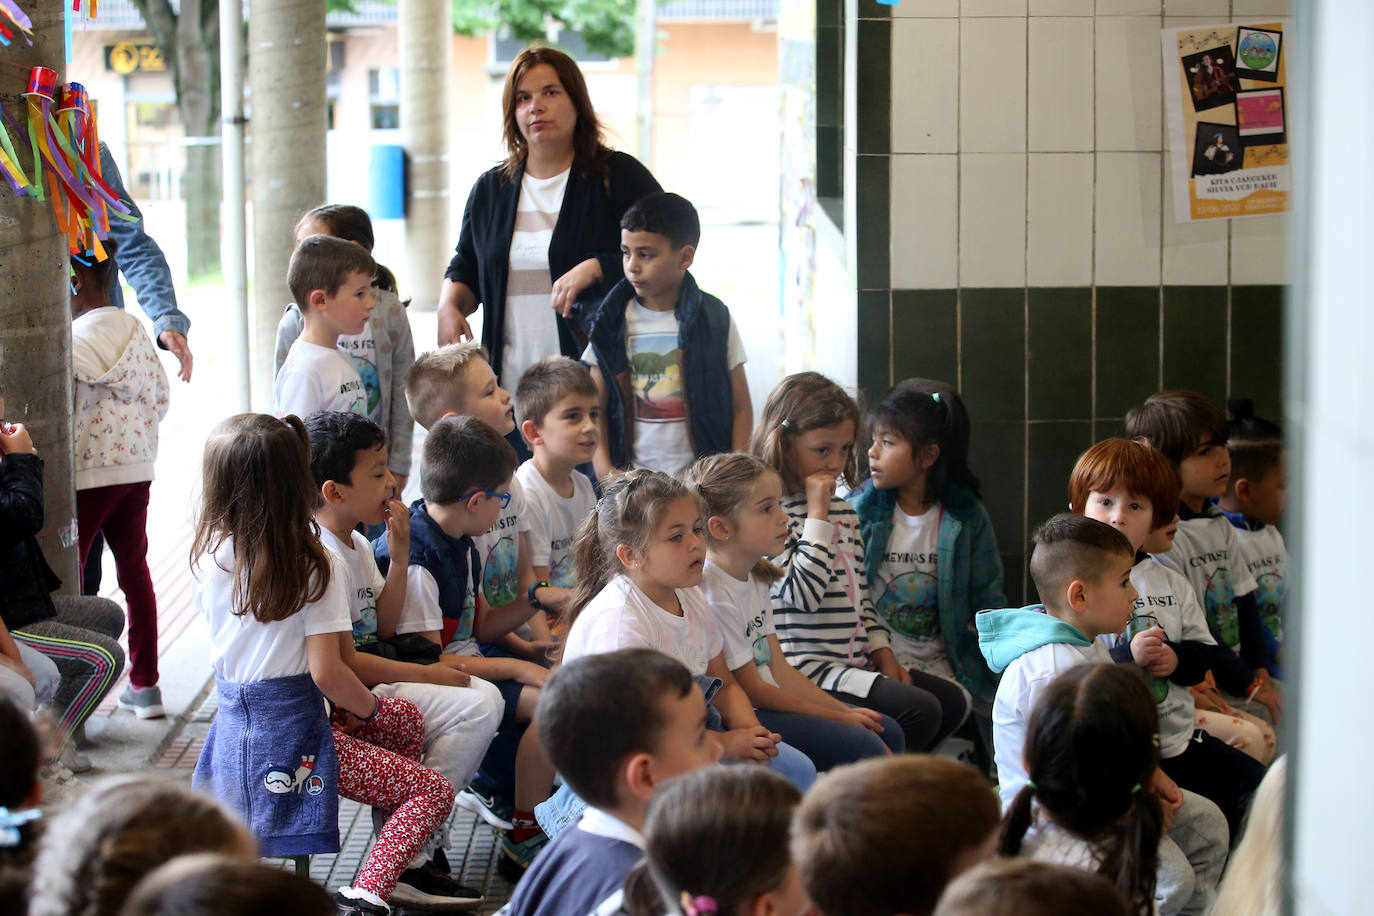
(379, 766)
(82, 641)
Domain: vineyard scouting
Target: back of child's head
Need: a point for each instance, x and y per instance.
(462, 455)
(597, 710)
(1177, 423)
(101, 273)
(1256, 444)
(94, 853)
(336, 438)
(18, 784)
(546, 383)
(324, 262)
(1253, 883)
(801, 403)
(1022, 887)
(207, 884)
(257, 489)
(1142, 471)
(1091, 751)
(884, 836)
(1069, 547)
(434, 382)
(715, 841)
(664, 213)
(725, 483)
(631, 507)
(922, 411)
(345, 221)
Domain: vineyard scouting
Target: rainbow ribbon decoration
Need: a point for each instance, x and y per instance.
(14, 21)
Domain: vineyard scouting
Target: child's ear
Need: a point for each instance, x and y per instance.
(930, 453)
(718, 526)
(531, 433)
(331, 493)
(1244, 489)
(317, 299)
(639, 776)
(627, 556)
(686, 255)
(1077, 595)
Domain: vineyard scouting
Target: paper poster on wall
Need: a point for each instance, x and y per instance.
(1224, 92)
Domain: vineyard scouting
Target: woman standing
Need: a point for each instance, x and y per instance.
(543, 228)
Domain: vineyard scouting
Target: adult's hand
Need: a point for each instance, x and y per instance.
(568, 287)
(176, 344)
(456, 302)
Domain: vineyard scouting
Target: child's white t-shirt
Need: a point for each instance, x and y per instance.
(499, 548)
(531, 331)
(314, 378)
(361, 352)
(906, 591)
(744, 612)
(1017, 692)
(1207, 552)
(553, 521)
(663, 439)
(621, 616)
(1266, 556)
(365, 582)
(1167, 596)
(244, 650)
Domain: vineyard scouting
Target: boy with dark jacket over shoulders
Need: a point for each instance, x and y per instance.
(666, 356)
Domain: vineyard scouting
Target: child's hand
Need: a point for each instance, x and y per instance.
(15, 438)
(447, 676)
(1165, 661)
(888, 666)
(1170, 797)
(1145, 646)
(543, 649)
(820, 490)
(864, 718)
(528, 673)
(397, 529)
(754, 744)
(1209, 699)
(1269, 697)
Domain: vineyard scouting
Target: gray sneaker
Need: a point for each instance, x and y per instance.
(146, 702)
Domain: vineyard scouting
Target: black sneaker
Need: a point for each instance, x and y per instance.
(350, 907)
(422, 889)
(438, 863)
(496, 810)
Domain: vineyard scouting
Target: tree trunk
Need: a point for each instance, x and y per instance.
(426, 37)
(197, 75)
(286, 75)
(35, 307)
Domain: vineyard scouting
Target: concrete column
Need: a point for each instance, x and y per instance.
(426, 39)
(286, 74)
(35, 306)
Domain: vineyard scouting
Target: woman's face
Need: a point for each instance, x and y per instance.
(544, 113)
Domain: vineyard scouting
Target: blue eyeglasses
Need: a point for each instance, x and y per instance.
(502, 498)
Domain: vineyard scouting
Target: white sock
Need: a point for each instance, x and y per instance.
(357, 893)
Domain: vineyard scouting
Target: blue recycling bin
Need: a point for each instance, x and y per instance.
(386, 182)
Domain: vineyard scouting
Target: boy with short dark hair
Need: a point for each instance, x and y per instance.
(666, 357)
(558, 409)
(1082, 571)
(616, 726)
(331, 280)
(1191, 432)
(466, 481)
(348, 458)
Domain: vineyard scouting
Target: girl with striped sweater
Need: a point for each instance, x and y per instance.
(826, 623)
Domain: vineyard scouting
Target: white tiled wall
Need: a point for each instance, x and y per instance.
(1030, 150)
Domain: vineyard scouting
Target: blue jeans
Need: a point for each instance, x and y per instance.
(829, 743)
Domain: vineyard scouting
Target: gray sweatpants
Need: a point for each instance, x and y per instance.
(1191, 857)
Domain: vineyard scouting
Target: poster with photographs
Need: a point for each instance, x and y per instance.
(1225, 100)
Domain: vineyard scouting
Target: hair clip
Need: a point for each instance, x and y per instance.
(1032, 785)
(12, 820)
(697, 906)
(935, 396)
(786, 424)
(1135, 788)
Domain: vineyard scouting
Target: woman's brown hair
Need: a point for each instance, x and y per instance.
(590, 153)
(725, 483)
(257, 489)
(801, 403)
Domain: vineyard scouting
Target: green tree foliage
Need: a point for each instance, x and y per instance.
(607, 26)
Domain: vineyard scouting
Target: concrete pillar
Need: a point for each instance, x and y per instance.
(35, 306)
(286, 75)
(426, 39)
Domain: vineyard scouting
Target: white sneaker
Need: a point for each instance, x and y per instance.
(146, 702)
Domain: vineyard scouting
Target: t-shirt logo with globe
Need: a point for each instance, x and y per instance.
(564, 572)
(910, 604)
(1272, 591)
(499, 578)
(1221, 605)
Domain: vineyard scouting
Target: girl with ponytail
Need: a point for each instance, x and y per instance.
(1091, 754)
(745, 524)
(639, 563)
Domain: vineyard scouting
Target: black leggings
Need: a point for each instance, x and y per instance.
(929, 709)
(1212, 768)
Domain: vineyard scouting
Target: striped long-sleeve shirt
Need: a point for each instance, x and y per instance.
(825, 621)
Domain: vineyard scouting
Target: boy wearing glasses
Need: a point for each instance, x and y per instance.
(467, 499)
(1133, 488)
